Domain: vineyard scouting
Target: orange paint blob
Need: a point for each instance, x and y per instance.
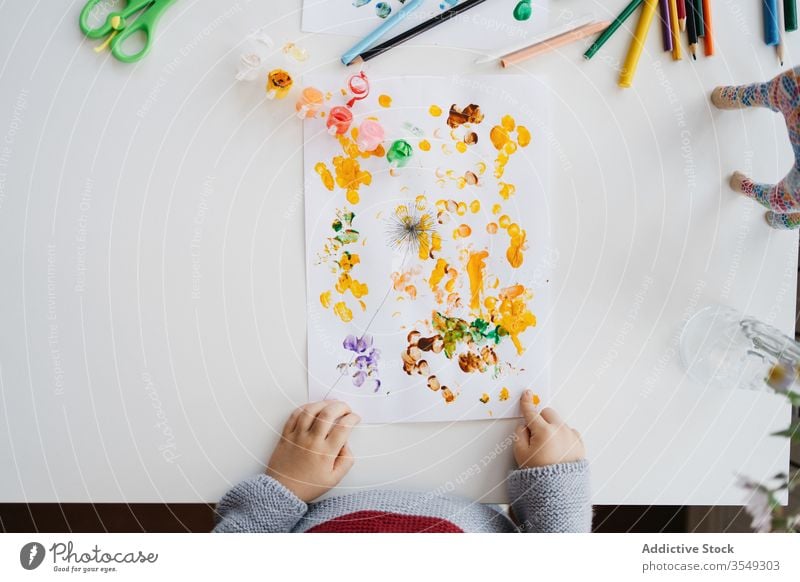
(491, 228)
(385, 101)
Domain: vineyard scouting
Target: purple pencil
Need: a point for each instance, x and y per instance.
(666, 32)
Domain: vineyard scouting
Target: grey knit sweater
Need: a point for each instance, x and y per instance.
(545, 499)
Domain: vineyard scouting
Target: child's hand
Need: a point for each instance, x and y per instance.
(313, 456)
(544, 439)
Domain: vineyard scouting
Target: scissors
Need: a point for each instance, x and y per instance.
(121, 25)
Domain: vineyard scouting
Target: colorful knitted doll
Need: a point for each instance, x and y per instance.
(782, 94)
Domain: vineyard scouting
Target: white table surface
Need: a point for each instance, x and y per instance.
(152, 303)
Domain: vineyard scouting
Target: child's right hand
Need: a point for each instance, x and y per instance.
(545, 439)
(312, 455)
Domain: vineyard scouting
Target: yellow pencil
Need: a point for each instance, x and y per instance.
(637, 43)
(676, 32)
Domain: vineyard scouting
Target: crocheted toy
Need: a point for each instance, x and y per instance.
(781, 94)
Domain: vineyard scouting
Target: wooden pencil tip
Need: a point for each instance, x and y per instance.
(356, 61)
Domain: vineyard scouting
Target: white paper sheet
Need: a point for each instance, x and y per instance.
(488, 27)
(390, 312)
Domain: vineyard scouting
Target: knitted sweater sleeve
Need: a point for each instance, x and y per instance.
(554, 498)
(258, 505)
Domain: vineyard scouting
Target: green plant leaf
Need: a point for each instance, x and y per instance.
(793, 432)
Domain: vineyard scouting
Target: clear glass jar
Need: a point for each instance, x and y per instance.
(721, 347)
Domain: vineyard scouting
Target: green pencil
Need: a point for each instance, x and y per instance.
(699, 18)
(623, 16)
(790, 15)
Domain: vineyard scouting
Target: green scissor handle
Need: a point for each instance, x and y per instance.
(118, 22)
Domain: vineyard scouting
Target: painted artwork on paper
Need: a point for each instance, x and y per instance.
(491, 26)
(427, 240)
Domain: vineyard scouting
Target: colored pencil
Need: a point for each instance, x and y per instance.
(666, 31)
(682, 14)
(416, 31)
(771, 29)
(691, 28)
(676, 31)
(789, 15)
(623, 16)
(387, 25)
(555, 42)
(637, 43)
(708, 37)
(698, 18)
(555, 31)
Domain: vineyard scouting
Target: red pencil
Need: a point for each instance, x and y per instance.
(682, 14)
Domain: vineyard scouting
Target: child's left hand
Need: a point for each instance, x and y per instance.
(313, 456)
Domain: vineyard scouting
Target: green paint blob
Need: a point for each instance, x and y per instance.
(400, 152)
(523, 10)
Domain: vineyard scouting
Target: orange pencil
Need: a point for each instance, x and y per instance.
(708, 31)
(553, 43)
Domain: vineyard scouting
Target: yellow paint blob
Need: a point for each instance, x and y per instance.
(461, 147)
(504, 221)
(475, 206)
(536, 400)
(352, 196)
(437, 274)
(475, 267)
(385, 101)
(325, 299)
(461, 209)
(484, 398)
(348, 260)
(497, 209)
(464, 230)
(507, 190)
(343, 312)
(503, 396)
(499, 137)
(508, 123)
(435, 110)
(325, 174)
(424, 145)
(515, 318)
(523, 136)
(514, 252)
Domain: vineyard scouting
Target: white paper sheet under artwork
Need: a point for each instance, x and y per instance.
(488, 27)
(432, 338)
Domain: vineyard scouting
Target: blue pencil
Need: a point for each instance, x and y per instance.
(772, 36)
(373, 36)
